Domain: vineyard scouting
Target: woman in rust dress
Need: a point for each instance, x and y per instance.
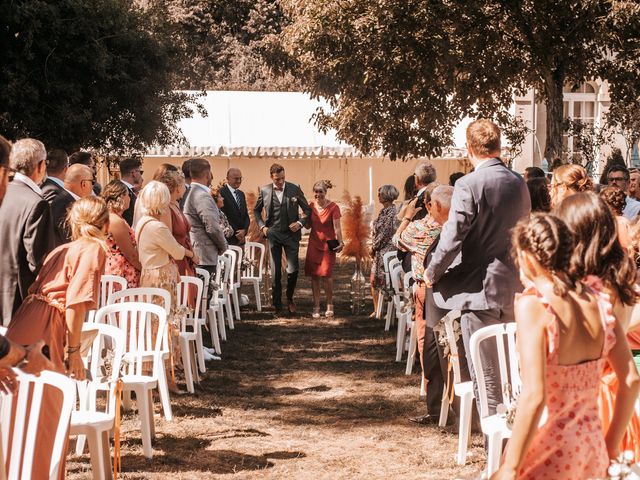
(325, 229)
(64, 291)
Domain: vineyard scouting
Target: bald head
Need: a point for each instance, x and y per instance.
(234, 177)
(79, 180)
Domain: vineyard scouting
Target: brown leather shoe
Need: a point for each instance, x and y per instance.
(292, 307)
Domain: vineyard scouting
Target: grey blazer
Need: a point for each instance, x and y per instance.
(206, 233)
(293, 200)
(471, 268)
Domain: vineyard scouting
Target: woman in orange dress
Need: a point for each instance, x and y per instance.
(65, 290)
(122, 257)
(325, 240)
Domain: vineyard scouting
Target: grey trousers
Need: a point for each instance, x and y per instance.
(290, 243)
(472, 321)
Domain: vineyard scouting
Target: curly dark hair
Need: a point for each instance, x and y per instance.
(615, 198)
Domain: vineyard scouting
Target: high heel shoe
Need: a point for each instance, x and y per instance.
(329, 312)
(316, 312)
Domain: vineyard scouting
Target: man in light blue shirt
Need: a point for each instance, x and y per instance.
(619, 176)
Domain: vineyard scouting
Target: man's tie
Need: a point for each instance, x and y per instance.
(236, 195)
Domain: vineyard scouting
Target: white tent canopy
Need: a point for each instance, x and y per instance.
(265, 124)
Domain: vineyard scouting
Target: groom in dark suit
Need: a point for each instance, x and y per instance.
(471, 269)
(282, 202)
(235, 206)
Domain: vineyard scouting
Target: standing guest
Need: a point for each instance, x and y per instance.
(159, 251)
(454, 177)
(85, 158)
(122, 256)
(78, 183)
(418, 237)
(227, 229)
(162, 169)
(282, 226)
(569, 180)
(180, 226)
(54, 311)
(409, 193)
(533, 172)
(616, 200)
(26, 231)
(539, 194)
(570, 337)
(619, 176)
(634, 176)
(130, 174)
(186, 171)
(381, 235)
(202, 212)
(235, 206)
(57, 165)
(325, 240)
(471, 269)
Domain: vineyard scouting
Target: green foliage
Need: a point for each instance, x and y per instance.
(587, 142)
(400, 74)
(615, 158)
(86, 73)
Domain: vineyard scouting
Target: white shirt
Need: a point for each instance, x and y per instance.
(419, 192)
(279, 193)
(75, 197)
(28, 182)
(129, 186)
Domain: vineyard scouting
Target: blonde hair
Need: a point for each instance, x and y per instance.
(113, 193)
(483, 138)
(26, 154)
(172, 179)
(87, 218)
(574, 177)
(154, 198)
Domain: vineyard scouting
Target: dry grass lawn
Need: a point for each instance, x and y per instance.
(298, 398)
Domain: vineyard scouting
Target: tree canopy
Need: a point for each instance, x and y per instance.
(86, 73)
(400, 74)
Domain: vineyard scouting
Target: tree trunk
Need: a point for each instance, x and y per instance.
(554, 83)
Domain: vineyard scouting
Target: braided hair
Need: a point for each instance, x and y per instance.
(549, 241)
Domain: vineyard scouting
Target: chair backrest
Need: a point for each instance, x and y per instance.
(106, 351)
(182, 295)
(449, 319)
(108, 285)
(239, 256)
(254, 252)
(3, 330)
(26, 419)
(496, 336)
(224, 270)
(206, 281)
(396, 277)
(386, 258)
(136, 320)
(233, 256)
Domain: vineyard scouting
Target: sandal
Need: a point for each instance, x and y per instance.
(316, 312)
(329, 312)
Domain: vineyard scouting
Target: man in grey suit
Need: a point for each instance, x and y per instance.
(26, 233)
(281, 225)
(200, 208)
(471, 268)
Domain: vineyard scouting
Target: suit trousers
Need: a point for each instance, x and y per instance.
(471, 322)
(279, 241)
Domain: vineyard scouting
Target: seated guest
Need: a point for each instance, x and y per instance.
(78, 183)
(568, 180)
(383, 229)
(566, 336)
(615, 199)
(409, 193)
(539, 194)
(54, 311)
(321, 255)
(26, 232)
(57, 165)
(227, 229)
(122, 256)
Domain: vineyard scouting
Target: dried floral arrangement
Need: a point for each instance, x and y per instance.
(355, 229)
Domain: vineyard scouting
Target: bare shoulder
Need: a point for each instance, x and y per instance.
(531, 312)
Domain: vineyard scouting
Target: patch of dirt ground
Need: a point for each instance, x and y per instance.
(298, 398)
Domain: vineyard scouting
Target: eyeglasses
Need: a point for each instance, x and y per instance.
(617, 179)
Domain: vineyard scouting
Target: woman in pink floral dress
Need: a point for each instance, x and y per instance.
(122, 258)
(566, 334)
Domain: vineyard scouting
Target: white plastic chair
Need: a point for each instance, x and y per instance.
(412, 344)
(386, 258)
(464, 390)
(86, 422)
(25, 432)
(254, 252)
(3, 330)
(400, 281)
(209, 312)
(108, 284)
(151, 295)
(237, 278)
(233, 281)
(395, 277)
(495, 426)
(190, 339)
(222, 293)
(136, 319)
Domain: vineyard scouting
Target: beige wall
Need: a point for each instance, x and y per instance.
(347, 174)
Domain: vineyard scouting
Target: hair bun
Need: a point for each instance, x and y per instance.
(327, 184)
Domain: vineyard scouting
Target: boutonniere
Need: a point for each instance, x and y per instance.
(294, 199)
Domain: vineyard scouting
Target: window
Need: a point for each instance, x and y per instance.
(579, 104)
